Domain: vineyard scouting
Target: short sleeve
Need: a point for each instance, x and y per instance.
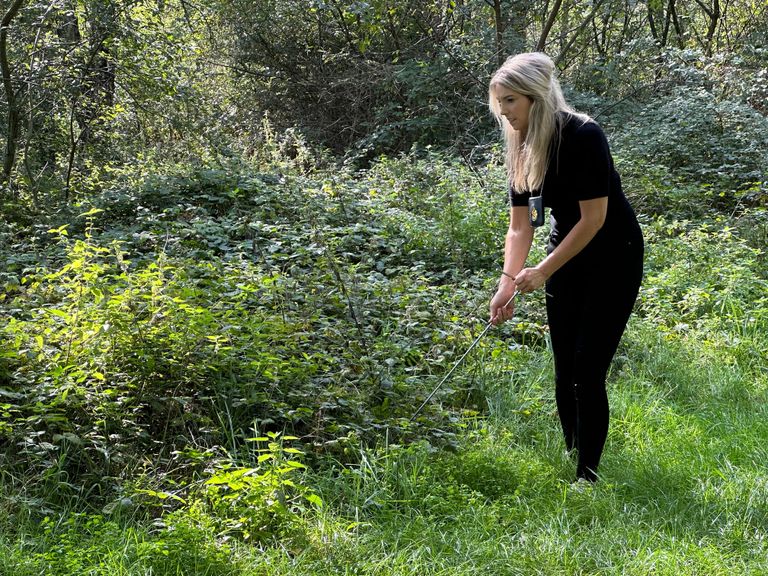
(588, 165)
(517, 198)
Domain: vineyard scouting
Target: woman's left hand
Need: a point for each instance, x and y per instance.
(529, 279)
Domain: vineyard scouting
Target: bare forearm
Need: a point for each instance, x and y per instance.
(593, 213)
(517, 245)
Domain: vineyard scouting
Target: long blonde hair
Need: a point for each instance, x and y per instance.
(531, 74)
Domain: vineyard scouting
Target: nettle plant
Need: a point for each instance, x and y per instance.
(105, 347)
(258, 494)
(700, 138)
(118, 358)
(266, 499)
(705, 278)
(311, 306)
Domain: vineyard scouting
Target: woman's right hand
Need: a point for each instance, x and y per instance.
(500, 310)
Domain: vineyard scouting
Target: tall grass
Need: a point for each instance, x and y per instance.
(684, 491)
(683, 487)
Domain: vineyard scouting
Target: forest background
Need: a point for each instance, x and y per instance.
(241, 241)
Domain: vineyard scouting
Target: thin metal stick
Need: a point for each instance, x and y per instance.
(456, 364)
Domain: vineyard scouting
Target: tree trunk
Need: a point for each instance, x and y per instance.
(676, 22)
(99, 79)
(12, 133)
(578, 31)
(714, 18)
(667, 22)
(564, 26)
(548, 26)
(498, 19)
(625, 27)
(652, 23)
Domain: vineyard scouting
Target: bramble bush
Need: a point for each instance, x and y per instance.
(158, 329)
(174, 315)
(715, 150)
(708, 281)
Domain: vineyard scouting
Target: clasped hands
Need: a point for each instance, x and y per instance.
(527, 280)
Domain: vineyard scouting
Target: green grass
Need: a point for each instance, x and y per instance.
(684, 490)
(173, 363)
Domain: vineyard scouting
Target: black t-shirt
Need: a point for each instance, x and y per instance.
(581, 168)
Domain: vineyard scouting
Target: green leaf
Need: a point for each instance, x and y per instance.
(162, 495)
(60, 230)
(314, 499)
(60, 313)
(90, 212)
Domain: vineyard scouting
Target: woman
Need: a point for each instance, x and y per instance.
(594, 260)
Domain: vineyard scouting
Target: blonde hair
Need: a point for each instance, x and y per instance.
(531, 74)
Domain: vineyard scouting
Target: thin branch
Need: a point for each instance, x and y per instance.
(548, 26)
(10, 94)
(578, 32)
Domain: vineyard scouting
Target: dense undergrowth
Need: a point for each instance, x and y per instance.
(213, 371)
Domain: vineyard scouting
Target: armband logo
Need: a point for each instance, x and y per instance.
(535, 211)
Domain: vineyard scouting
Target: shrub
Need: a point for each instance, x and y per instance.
(722, 143)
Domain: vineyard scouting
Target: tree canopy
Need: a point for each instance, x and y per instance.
(93, 84)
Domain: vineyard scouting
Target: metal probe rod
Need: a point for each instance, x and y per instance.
(456, 364)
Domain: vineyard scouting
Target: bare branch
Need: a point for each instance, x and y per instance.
(10, 94)
(548, 25)
(578, 32)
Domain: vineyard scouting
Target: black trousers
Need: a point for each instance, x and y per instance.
(589, 302)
